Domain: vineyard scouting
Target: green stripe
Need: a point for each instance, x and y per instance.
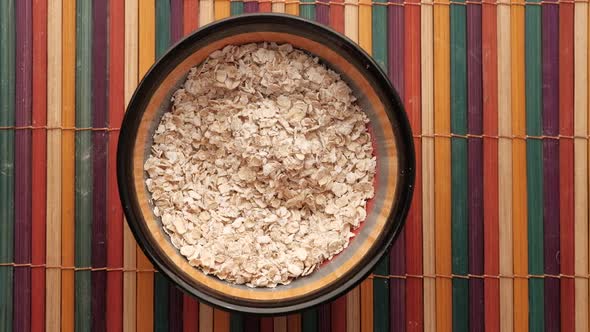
(381, 295)
(379, 40)
(162, 26)
(309, 320)
(380, 285)
(7, 91)
(83, 213)
(161, 284)
(459, 187)
(161, 301)
(534, 109)
(236, 322)
(236, 8)
(307, 11)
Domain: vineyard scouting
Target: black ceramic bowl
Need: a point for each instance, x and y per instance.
(392, 140)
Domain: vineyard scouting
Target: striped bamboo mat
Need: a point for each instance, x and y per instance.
(497, 96)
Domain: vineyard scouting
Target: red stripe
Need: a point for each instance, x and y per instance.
(190, 314)
(412, 99)
(114, 308)
(264, 7)
(337, 17)
(191, 16)
(566, 161)
(39, 164)
(338, 314)
(266, 324)
(490, 148)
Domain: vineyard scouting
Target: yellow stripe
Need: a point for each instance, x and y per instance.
(365, 26)
(581, 119)
(205, 318)
(351, 20)
(352, 310)
(53, 235)
(68, 162)
(505, 167)
(206, 12)
(129, 246)
(278, 7)
(429, 253)
(221, 9)
(292, 8)
(280, 324)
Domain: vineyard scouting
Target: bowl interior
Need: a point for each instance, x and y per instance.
(391, 139)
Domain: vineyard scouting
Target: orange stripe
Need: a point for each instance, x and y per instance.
(294, 323)
(519, 188)
(366, 305)
(442, 171)
(68, 162)
(490, 146)
(220, 320)
(145, 280)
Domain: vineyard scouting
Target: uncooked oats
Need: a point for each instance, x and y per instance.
(263, 167)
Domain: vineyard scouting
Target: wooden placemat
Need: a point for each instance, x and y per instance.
(497, 96)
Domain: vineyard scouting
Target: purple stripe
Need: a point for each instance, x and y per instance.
(174, 309)
(397, 256)
(22, 166)
(251, 323)
(322, 12)
(99, 142)
(325, 317)
(550, 35)
(176, 16)
(250, 6)
(475, 167)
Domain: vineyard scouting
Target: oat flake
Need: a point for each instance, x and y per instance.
(263, 167)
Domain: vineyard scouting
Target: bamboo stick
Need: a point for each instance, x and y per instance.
(39, 162)
(54, 105)
(365, 25)
(145, 280)
(351, 20)
(581, 119)
(114, 311)
(68, 162)
(129, 246)
(352, 310)
(519, 184)
(427, 105)
(505, 168)
(442, 172)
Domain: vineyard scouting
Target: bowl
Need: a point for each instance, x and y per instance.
(392, 140)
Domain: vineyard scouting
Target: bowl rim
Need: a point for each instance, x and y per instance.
(405, 176)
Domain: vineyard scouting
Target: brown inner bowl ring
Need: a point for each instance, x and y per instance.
(389, 128)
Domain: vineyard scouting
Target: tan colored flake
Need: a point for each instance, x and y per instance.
(263, 166)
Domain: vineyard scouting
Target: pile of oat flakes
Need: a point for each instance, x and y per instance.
(263, 166)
